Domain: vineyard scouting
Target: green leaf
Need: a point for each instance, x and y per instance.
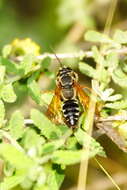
(34, 90)
(32, 139)
(27, 63)
(112, 61)
(11, 67)
(71, 143)
(119, 77)
(97, 56)
(87, 141)
(2, 112)
(8, 94)
(105, 95)
(12, 181)
(120, 37)
(16, 125)
(15, 157)
(45, 64)
(87, 70)
(2, 73)
(94, 36)
(117, 105)
(69, 157)
(6, 50)
(52, 146)
(91, 72)
(55, 179)
(48, 129)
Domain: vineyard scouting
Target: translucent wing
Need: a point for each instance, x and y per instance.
(83, 97)
(54, 108)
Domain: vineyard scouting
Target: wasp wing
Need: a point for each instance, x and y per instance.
(83, 97)
(54, 108)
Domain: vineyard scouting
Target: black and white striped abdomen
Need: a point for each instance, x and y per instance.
(71, 111)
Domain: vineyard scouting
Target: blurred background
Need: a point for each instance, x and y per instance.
(62, 24)
(56, 22)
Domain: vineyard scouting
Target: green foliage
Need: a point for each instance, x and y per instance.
(15, 157)
(48, 129)
(16, 125)
(95, 36)
(7, 93)
(2, 112)
(34, 149)
(34, 90)
(120, 37)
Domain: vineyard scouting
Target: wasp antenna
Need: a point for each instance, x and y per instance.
(56, 57)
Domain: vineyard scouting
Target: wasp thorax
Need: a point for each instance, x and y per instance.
(66, 77)
(66, 81)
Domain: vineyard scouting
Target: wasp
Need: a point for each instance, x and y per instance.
(68, 96)
(65, 105)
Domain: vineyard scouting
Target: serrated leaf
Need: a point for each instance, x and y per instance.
(7, 93)
(48, 129)
(91, 72)
(15, 157)
(101, 73)
(55, 178)
(26, 183)
(108, 92)
(87, 141)
(94, 36)
(11, 67)
(2, 73)
(98, 56)
(34, 91)
(69, 157)
(16, 125)
(117, 105)
(120, 37)
(32, 139)
(27, 63)
(119, 77)
(87, 70)
(105, 95)
(71, 143)
(45, 63)
(114, 98)
(112, 60)
(6, 50)
(52, 146)
(2, 112)
(12, 181)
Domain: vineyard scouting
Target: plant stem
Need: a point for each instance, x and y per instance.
(89, 125)
(122, 51)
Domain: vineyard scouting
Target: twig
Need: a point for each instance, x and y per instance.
(120, 179)
(112, 118)
(121, 51)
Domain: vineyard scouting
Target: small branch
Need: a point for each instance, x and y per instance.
(97, 119)
(111, 118)
(74, 55)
